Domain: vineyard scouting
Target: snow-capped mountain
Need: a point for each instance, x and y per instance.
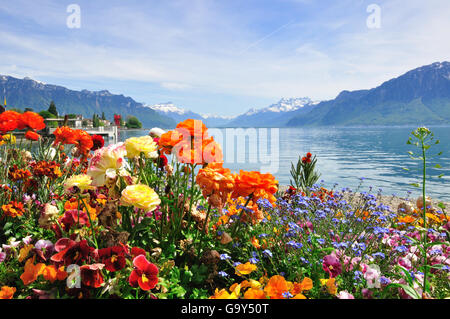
(274, 115)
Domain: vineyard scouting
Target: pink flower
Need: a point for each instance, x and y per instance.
(332, 265)
(345, 295)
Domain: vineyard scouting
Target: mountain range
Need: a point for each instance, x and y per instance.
(418, 97)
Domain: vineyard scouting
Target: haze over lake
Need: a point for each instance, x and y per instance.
(345, 155)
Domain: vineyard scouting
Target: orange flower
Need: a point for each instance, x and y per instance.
(330, 284)
(7, 292)
(245, 269)
(9, 121)
(32, 121)
(51, 273)
(195, 128)
(255, 242)
(215, 180)
(74, 204)
(64, 135)
(13, 209)
(32, 136)
(306, 284)
(31, 271)
(277, 286)
(168, 141)
(260, 185)
(406, 219)
(254, 293)
(83, 142)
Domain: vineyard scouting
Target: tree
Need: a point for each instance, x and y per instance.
(52, 108)
(95, 121)
(133, 122)
(103, 116)
(47, 115)
(29, 109)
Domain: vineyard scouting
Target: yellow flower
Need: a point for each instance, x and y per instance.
(330, 284)
(8, 138)
(144, 144)
(245, 269)
(82, 181)
(140, 196)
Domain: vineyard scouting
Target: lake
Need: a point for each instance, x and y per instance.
(346, 156)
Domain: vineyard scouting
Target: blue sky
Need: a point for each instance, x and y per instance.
(221, 57)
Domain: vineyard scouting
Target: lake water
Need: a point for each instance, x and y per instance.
(344, 156)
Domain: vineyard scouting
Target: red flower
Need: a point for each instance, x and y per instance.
(74, 217)
(136, 251)
(71, 252)
(113, 258)
(91, 275)
(32, 121)
(145, 274)
(98, 141)
(32, 136)
(308, 155)
(9, 121)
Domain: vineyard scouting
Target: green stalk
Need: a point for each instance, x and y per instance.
(425, 258)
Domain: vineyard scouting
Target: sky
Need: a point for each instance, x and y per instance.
(221, 57)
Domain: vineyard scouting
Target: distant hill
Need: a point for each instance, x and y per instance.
(23, 93)
(418, 97)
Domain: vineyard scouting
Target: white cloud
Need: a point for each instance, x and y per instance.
(207, 47)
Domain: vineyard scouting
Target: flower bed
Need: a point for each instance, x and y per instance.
(79, 220)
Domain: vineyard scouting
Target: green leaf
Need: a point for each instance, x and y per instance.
(415, 184)
(441, 205)
(440, 175)
(437, 166)
(406, 169)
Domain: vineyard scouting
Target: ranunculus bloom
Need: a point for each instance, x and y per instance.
(141, 145)
(32, 136)
(168, 141)
(91, 275)
(113, 258)
(256, 184)
(214, 179)
(108, 162)
(32, 121)
(332, 265)
(9, 121)
(196, 128)
(64, 135)
(144, 275)
(345, 295)
(140, 196)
